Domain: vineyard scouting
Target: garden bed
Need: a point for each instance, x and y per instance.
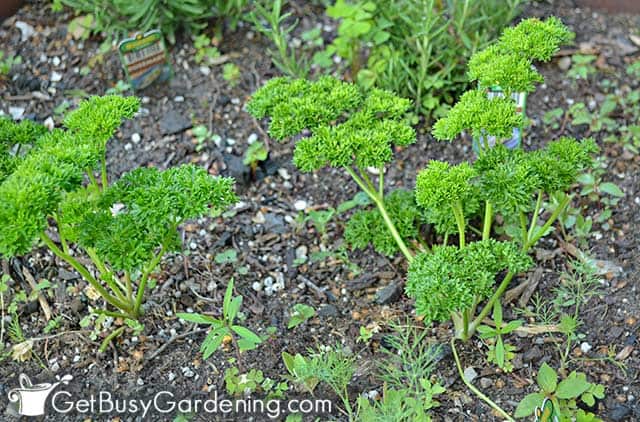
(349, 291)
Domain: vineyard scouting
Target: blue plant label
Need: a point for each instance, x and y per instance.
(145, 59)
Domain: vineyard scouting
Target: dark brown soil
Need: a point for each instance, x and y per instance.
(264, 232)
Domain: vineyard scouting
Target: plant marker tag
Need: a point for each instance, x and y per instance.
(546, 413)
(515, 141)
(145, 59)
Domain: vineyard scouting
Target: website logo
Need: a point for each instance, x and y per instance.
(30, 399)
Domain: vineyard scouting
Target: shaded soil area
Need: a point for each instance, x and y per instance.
(270, 240)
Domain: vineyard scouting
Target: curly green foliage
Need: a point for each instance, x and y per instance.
(347, 127)
(298, 104)
(508, 63)
(512, 72)
(480, 115)
(536, 39)
(367, 226)
(560, 163)
(451, 279)
(32, 192)
(140, 213)
(25, 132)
(506, 178)
(440, 185)
(509, 178)
(11, 133)
(55, 166)
(96, 119)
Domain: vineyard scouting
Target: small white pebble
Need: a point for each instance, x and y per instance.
(585, 347)
(56, 77)
(179, 99)
(300, 205)
(252, 138)
(56, 61)
(135, 138)
(139, 381)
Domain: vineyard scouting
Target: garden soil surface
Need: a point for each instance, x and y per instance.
(264, 229)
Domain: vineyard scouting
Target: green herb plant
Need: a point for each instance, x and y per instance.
(371, 125)
(271, 23)
(564, 395)
(117, 18)
(242, 338)
(331, 366)
(428, 45)
(358, 28)
(203, 136)
(123, 228)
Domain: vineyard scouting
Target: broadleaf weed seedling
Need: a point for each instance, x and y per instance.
(563, 395)
(124, 228)
(223, 328)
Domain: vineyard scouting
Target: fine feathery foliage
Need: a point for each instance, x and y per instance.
(451, 279)
(365, 128)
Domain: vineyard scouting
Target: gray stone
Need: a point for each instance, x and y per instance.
(470, 374)
(236, 168)
(328, 311)
(620, 413)
(174, 122)
(274, 223)
(388, 294)
(532, 355)
(485, 383)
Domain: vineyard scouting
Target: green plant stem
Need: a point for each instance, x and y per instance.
(488, 219)
(489, 305)
(523, 230)
(471, 387)
(86, 274)
(385, 216)
(459, 216)
(92, 179)
(127, 279)
(534, 218)
(106, 275)
(554, 216)
(145, 277)
(111, 314)
(381, 182)
(103, 171)
(110, 338)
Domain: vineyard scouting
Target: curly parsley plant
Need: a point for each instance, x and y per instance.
(349, 130)
(49, 194)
